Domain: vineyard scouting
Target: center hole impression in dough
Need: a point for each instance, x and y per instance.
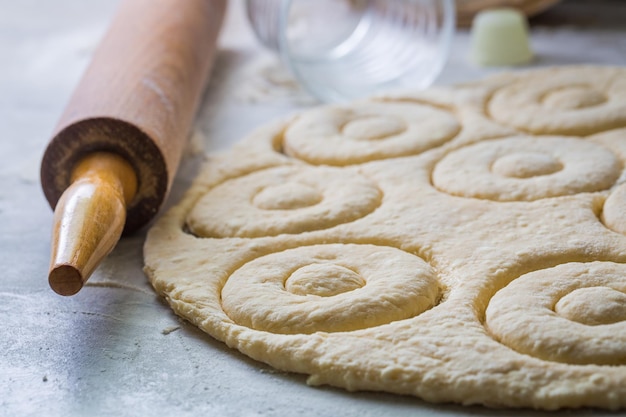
(593, 306)
(324, 280)
(526, 165)
(374, 127)
(287, 196)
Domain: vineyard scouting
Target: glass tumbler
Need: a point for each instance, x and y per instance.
(340, 50)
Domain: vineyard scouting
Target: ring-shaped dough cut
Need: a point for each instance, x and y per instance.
(576, 102)
(284, 200)
(367, 131)
(396, 286)
(527, 169)
(522, 315)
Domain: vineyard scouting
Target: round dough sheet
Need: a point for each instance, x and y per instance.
(461, 244)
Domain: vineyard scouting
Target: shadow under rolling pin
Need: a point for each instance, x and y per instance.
(111, 162)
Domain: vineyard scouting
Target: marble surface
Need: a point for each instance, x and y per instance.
(116, 348)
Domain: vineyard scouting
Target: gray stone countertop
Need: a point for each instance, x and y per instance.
(116, 349)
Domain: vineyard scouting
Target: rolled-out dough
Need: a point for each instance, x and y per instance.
(462, 244)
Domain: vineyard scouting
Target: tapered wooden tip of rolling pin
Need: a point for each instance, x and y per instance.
(65, 280)
(89, 219)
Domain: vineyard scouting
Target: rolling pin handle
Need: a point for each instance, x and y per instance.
(89, 218)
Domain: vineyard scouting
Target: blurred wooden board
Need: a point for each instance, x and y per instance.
(467, 9)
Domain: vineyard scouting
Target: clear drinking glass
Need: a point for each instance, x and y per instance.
(345, 49)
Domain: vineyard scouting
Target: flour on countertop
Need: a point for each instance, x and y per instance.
(266, 80)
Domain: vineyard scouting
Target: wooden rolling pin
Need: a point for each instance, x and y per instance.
(115, 151)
